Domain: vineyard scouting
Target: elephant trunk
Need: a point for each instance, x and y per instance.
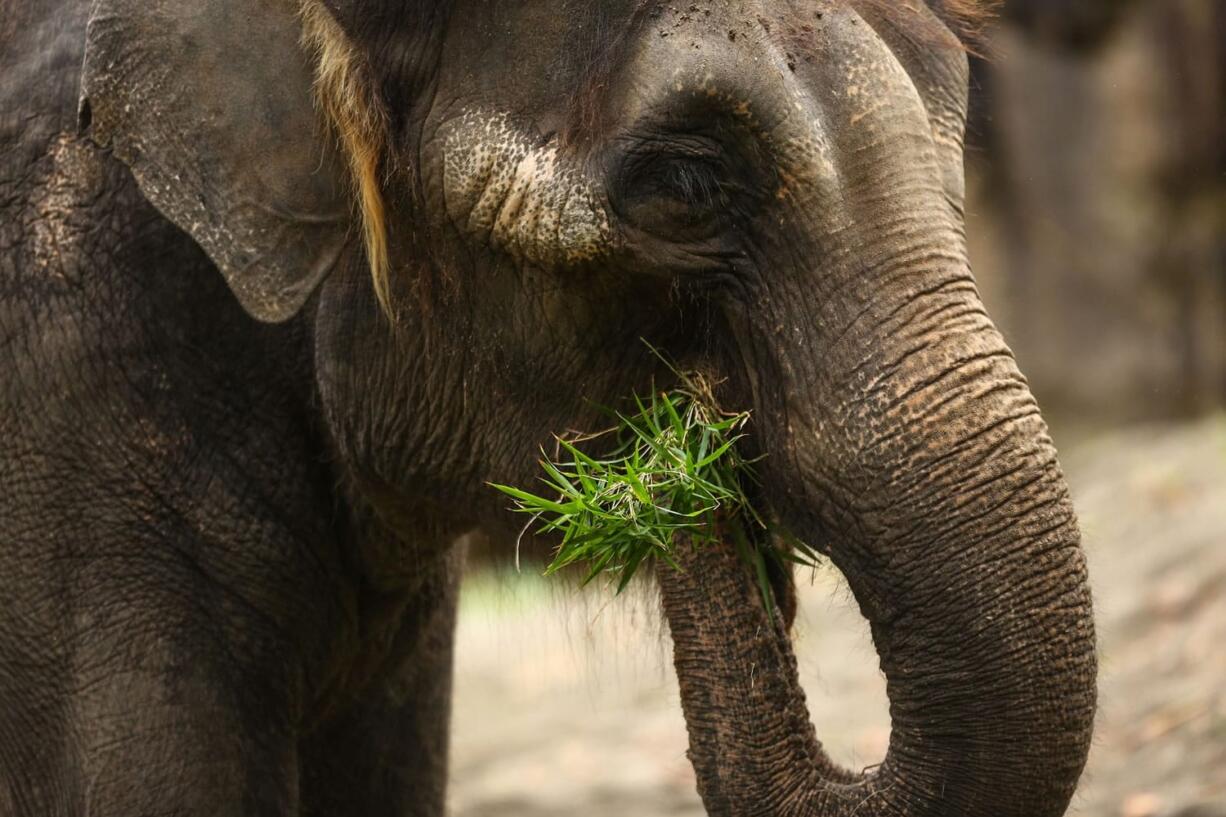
(934, 488)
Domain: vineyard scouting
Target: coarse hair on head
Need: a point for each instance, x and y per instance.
(969, 19)
(346, 97)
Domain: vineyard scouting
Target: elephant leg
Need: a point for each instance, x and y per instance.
(146, 699)
(383, 751)
(161, 745)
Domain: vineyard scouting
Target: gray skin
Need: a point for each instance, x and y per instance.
(229, 511)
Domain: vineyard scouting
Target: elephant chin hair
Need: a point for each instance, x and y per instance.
(345, 97)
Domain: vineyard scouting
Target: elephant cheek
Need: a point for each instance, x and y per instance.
(524, 199)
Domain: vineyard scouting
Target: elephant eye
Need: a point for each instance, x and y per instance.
(666, 192)
(692, 182)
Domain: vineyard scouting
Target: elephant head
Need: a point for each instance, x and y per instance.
(480, 207)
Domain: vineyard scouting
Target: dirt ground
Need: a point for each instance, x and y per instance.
(566, 703)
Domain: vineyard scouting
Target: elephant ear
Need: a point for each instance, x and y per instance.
(210, 104)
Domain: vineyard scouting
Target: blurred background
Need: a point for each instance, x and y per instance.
(1097, 220)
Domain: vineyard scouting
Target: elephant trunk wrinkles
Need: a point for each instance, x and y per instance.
(961, 546)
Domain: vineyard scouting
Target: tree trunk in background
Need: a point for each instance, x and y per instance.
(1099, 233)
(1195, 261)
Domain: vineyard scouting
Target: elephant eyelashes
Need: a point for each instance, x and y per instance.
(694, 183)
(675, 192)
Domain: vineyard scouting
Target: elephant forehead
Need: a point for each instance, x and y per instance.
(521, 196)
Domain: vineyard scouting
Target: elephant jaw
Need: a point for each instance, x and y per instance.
(520, 197)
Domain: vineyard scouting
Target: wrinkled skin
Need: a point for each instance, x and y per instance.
(228, 524)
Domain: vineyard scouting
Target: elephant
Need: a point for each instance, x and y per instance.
(288, 283)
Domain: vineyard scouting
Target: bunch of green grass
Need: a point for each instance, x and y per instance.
(674, 474)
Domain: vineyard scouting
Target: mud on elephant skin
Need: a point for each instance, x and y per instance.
(285, 285)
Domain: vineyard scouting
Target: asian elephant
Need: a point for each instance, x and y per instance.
(286, 283)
